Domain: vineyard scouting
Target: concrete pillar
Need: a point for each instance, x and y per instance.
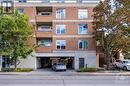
(76, 63)
(97, 60)
(0, 62)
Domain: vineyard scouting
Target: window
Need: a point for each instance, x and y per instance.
(5, 62)
(44, 42)
(22, 1)
(82, 29)
(60, 13)
(61, 44)
(62, 1)
(7, 7)
(83, 44)
(60, 29)
(21, 10)
(83, 13)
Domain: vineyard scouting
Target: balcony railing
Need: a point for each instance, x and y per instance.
(44, 28)
(57, 1)
(44, 13)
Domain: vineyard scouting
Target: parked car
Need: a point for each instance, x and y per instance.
(123, 64)
(59, 67)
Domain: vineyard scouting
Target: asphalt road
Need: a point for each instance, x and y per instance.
(84, 80)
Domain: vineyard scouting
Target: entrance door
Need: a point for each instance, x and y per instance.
(5, 62)
(81, 63)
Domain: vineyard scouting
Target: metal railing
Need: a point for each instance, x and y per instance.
(44, 13)
(44, 28)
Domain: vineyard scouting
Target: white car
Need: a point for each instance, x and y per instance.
(59, 66)
(123, 64)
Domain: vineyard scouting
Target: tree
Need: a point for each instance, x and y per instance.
(111, 17)
(14, 33)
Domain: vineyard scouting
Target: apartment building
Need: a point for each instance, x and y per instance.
(63, 29)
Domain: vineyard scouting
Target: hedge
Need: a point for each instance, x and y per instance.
(87, 70)
(16, 70)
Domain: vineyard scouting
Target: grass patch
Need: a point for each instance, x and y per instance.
(16, 70)
(87, 70)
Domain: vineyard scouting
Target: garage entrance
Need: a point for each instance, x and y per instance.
(47, 62)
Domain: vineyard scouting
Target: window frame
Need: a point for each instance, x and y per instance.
(80, 13)
(83, 45)
(60, 27)
(7, 7)
(59, 15)
(82, 32)
(60, 44)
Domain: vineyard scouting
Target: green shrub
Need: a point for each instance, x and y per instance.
(87, 70)
(7, 69)
(16, 70)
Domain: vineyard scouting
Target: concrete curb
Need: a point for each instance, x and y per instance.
(65, 74)
(106, 74)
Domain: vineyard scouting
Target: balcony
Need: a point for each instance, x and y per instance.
(45, 45)
(43, 18)
(44, 49)
(40, 34)
(44, 29)
(44, 14)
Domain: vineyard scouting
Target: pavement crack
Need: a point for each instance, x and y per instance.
(64, 82)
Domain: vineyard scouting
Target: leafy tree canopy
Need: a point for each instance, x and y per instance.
(112, 20)
(15, 30)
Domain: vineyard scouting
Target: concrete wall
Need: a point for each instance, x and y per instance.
(38, 63)
(89, 57)
(30, 62)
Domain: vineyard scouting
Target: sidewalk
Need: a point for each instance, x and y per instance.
(101, 73)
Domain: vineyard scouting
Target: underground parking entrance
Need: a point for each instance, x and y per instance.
(47, 62)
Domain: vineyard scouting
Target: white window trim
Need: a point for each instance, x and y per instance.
(79, 10)
(86, 45)
(57, 17)
(60, 28)
(60, 44)
(84, 33)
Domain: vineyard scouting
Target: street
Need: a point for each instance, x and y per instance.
(64, 80)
